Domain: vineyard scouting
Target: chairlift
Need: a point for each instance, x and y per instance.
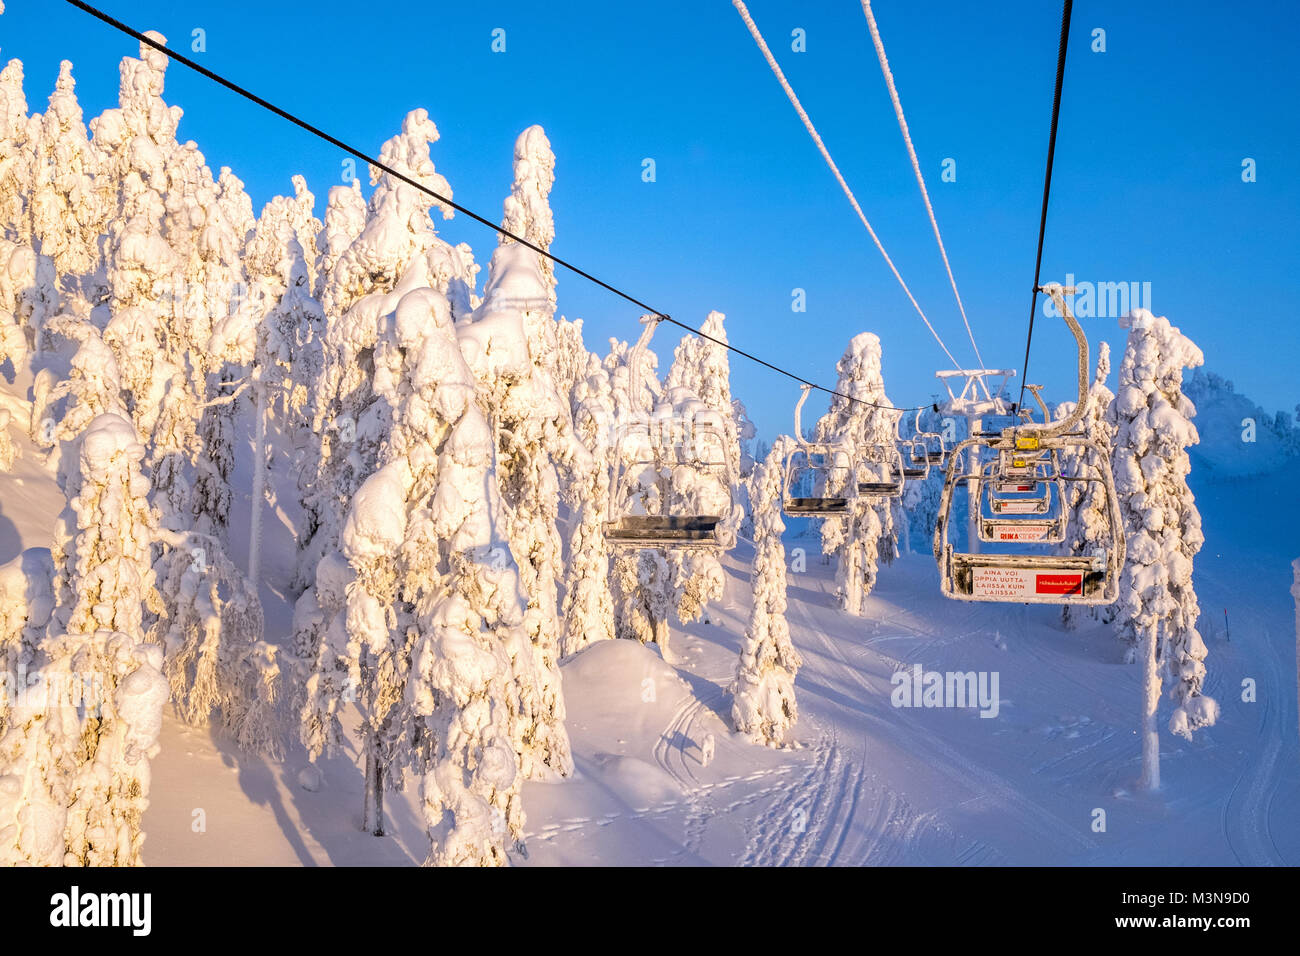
(915, 463)
(881, 464)
(671, 487)
(1028, 455)
(928, 448)
(820, 478)
(1021, 519)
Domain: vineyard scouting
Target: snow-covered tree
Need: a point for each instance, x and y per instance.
(573, 363)
(16, 159)
(65, 217)
(28, 300)
(527, 211)
(642, 588)
(26, 603)
(920, 499)
(588, 609)
(1087, 527)
(74, 762)
(763, 705)
(284, 220)
(8, 451)
(396, 250)
(345, 217)
(1158, 609)
(398, 226)
(867, 536)
(701, 371)
(509, 344)
(641, 581)
(430, 630)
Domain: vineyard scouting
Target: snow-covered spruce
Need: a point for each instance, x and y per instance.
(509, 344)
(1087, 527)
(763, 705)
(16, 157)
(588, 609)
(26, 603)
(81, 751)
(1158, 608)
(866, 537)
(365, 268)
(701, 371)
(920, 501)
(641, 581)
(431, 627)
(64, 206)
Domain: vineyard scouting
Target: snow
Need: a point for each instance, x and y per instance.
(428, 617)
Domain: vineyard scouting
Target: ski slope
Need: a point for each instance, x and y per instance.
(866, 783)
(869, 784)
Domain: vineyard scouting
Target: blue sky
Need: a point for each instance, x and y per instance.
(1147, 186)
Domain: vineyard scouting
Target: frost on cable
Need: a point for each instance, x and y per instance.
(866, 536)
(763, 703)
(1158, 609)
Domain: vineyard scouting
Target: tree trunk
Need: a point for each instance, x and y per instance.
(259, 489)
(1150, 701)
(367, 806)
(379, 798)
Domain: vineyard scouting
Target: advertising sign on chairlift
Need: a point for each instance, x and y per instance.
(1011, 583)
(1019, 506)
(1018, 530)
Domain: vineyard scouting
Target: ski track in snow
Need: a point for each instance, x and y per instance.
(943, 756)
(1247, 831)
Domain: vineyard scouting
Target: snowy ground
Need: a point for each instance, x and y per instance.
(869, 783)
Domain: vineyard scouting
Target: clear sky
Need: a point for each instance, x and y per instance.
(1148, 182)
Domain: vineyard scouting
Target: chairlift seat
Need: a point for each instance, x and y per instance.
(816, 506)
(880, 489)
(673, 530)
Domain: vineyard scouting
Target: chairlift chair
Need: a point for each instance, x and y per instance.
(1003, 519)
(677, 493)
(882, 468)
(1033, 452)
(928, 448)
(887, 457)
(915, 462)
(820, 478)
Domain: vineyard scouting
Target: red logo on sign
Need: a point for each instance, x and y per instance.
(1058, 584)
